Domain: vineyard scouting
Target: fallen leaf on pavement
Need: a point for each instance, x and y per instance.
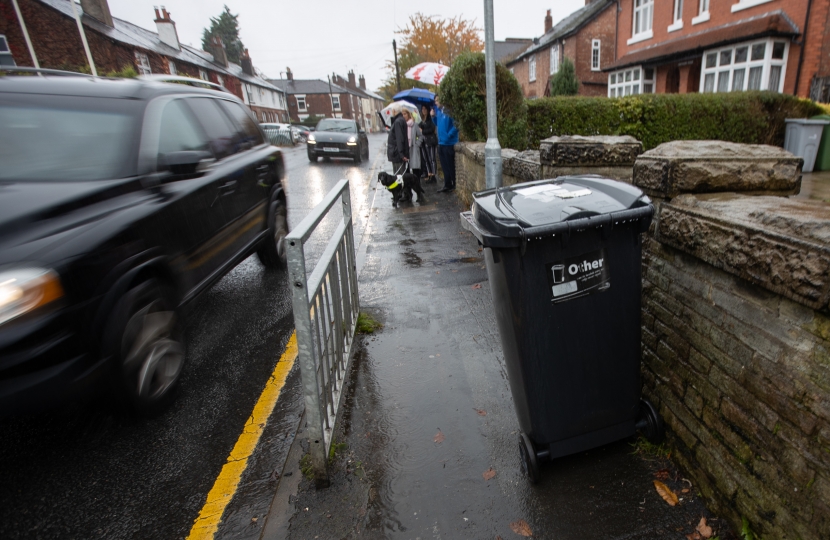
(693, 536)
(704, 529)
(481, 412)
(489, 473)
(521, 527)
(664, 491)
(462, 252)
(684, 490)
(662, 474)
(479, 250)
(477, 286)
(439, 437)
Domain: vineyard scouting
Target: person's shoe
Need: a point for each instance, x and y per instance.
(442, 190)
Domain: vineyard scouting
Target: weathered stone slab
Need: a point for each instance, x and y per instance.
(594, 151)
(780, 244)
(716, 166)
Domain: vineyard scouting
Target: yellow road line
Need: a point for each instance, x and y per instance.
(224, 488)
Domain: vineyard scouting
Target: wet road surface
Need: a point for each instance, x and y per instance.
(428, 412)
(84, 472)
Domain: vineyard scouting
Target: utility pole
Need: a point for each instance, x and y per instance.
(331, 98)
(492, 150)
(397, 69)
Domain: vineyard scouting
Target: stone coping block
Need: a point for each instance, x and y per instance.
(523, 165)
(716, 166)
(594, 151)
(778, 243)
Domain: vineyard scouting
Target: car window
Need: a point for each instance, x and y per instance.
(331, 124)
(250, 133)
(178, 130)
(220, 131)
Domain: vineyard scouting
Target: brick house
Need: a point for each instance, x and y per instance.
(314, 97)
(586, 37)
(116, 44)
(680, 46)
(368, 103)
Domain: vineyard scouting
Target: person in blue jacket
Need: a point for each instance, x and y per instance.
(447, 139)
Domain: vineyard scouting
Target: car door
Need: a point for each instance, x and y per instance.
(249, 202)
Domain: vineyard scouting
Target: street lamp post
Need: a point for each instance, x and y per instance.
(492, 150)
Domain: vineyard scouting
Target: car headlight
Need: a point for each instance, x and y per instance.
(311, 139)
(25, 289)
(352, 141)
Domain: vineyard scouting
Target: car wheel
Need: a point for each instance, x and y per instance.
(146, 344)
(312, 157)
(272, 253)
(357, 155)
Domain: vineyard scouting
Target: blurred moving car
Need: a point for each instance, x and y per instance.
(121, 201)
(335, 137)
(279, 134)
(300, 133)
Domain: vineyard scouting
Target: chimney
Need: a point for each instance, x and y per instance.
(288, 74)
(98, 10)
(362, 81)
(549, 20)
(217, 49)
(247, 65)
(167, 29)
(351, 79)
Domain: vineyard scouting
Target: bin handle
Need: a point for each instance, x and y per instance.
(576, 224)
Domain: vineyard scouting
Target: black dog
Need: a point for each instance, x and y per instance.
(411, 183)
(394, 184)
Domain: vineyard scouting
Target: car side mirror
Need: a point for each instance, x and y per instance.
(185, 163)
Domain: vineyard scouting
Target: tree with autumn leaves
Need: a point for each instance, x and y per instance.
(430, 39)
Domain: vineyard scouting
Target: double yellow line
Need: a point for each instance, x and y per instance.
(224, 488)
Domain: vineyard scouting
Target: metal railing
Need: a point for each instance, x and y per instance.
(326, 306)
(279, 136)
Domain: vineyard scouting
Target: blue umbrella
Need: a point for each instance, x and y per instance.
(416, 96)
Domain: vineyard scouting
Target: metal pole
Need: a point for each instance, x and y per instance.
(25, 34)
(492, 150)
(83, 38)
(397, 70)
(331, 98)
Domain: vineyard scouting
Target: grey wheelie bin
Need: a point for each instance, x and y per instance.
(563, 259)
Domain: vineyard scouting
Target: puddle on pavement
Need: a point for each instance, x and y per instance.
(412, 259)
(407, 242)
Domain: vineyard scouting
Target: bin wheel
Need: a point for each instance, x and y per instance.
(649, 423)
(530, 465)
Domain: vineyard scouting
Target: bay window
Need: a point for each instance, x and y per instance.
(757, 65)
(631, 81)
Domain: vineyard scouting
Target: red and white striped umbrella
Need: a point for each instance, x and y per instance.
(427, 72)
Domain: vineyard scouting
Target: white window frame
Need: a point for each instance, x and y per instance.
(171, 67)
(641, 21)
(220, 81)
(702, 12)
(531, 68)
(302, 105)
(142, 62)
(636, 82)
(203, 75)
(746, 4)
(677, 16)
(250, 93)
(333, 98)
(554, 59)
(767, 63)
(596, 54)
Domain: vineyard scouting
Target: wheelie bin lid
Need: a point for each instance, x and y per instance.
(504, 217)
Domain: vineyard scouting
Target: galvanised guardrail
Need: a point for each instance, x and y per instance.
(326, 306)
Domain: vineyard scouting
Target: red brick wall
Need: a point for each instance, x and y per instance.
(320, 105)
(817, 48)
(720, 12)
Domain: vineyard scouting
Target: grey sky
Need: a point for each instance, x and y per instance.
(315, 38)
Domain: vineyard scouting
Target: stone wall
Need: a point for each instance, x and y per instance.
(736, 337)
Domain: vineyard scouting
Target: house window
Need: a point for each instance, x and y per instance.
(746, 4)
(757, 65)
(532, 68)
(677, 16)
(171, 68)
(6, 58)
(554, 59)
(220, 80)
(595, 50)
(643, 14)
(143, 63)
(301, 103)
(249, 93)
(203, 75)
(631, 81)
(702, 12)
(335, 102)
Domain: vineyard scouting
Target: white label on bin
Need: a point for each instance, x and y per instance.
(548, 192)
(578, 276)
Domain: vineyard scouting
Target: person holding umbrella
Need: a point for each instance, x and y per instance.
(447, 139)
(429, 144)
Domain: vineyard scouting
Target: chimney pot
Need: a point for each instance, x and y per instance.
(288, 74)
(166, 29)
(218, 51)
(549, 22)
(247, 63)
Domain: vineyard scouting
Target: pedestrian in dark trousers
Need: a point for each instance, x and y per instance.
(430, 143)
(447, 139)
(397, 144)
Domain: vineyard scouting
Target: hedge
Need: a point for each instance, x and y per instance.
(746, 117)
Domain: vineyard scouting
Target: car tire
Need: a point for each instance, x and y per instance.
(145, 342)
(312, 157)
(272, 253)
(357, 156)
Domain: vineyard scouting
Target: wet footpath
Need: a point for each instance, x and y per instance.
(427, 445)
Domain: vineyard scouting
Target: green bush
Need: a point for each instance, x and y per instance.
(463, 92)
(565, 83)
(745, 117)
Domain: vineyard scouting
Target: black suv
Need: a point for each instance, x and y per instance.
(120, 202)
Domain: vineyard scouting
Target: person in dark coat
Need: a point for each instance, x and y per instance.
(429, 145)
(447, 139)
(397, 145)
